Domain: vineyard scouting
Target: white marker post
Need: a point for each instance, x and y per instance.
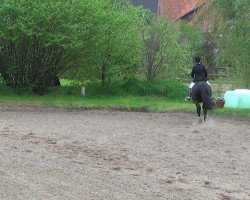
(83, 91)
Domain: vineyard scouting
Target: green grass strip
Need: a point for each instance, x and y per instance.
(152, 104)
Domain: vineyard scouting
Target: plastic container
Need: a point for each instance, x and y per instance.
(239, 98)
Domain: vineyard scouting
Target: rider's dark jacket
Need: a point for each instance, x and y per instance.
(199, 73)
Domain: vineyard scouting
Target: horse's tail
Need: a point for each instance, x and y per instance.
(206, 96)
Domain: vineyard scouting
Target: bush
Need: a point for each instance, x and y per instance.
(66, 90)
(115, 53)
(40, 40)
(97, 89)
(169, 89)
(8, 91)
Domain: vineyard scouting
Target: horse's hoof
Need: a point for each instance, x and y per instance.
(199, 120)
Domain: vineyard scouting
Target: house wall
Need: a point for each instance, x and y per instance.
(148, 4)
(188, 17)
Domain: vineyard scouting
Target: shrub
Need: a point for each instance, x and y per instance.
(97, 88)
(39, 40)
(116, 48)
(169, 89)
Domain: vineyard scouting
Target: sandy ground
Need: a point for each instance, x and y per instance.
(102, 154)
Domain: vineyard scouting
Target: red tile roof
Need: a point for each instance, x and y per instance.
(176, 9)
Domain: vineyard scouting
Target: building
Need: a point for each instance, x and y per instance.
(173, 10)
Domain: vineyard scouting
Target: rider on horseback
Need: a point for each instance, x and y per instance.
(199, 73)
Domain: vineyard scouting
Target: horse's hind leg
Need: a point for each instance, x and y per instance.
(198, 108)
(205, 111)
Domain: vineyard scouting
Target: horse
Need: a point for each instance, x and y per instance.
(201, 93)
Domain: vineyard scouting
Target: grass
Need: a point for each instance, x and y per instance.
(69, 97)
(232, 113)
(152, 104)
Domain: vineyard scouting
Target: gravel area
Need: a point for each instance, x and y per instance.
(115, 155)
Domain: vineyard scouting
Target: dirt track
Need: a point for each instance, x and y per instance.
(46, 154)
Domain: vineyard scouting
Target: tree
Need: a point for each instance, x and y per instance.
(232, 30)
(40, 40)
(165, 54)
(194, 40)
(235, 45)
(116, 48)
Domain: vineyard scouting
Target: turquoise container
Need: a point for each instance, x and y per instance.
(239, 98)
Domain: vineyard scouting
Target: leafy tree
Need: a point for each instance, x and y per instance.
(166, 55)
(40, 40)
(194, 40)
(231, 29)
(117, 44)
(235, 46)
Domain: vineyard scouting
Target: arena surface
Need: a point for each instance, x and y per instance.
(115, 155)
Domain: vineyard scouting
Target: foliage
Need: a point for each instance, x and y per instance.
(236, 45)
(168, 50)
(116, 50)
(145, 16)
(170, 89)
(195, 40)
(97, 40)
(165, 88)
(192, 35)
(40, 40)
(232, 31)
(233, 113)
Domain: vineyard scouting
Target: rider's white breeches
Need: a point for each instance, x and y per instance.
(192, 85)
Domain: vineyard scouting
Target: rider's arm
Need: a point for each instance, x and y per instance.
(205, 71)
(192, 74)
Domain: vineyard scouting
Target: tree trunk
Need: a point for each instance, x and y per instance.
(103, 74)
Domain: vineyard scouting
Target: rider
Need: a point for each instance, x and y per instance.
(199, 73)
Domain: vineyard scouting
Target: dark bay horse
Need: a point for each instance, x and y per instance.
(201, 93)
